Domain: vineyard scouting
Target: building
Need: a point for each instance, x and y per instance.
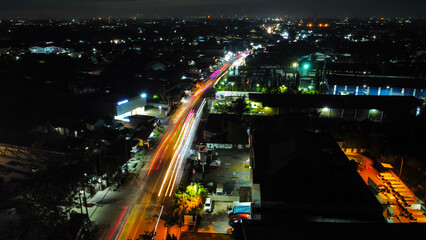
(129, 107)
(47, 50)
(300, 176)
(377, 85)
(348, 107)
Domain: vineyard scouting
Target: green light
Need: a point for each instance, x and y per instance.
(306, 66)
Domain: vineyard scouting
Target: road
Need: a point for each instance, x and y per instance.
(137, 210)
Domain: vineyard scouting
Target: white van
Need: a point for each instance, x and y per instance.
(208, 205)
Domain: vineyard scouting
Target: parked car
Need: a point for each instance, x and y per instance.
(208, 205)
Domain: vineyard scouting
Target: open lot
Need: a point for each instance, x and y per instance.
(233, 173)
(215, 221)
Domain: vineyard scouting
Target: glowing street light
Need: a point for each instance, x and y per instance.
(306, 65)
(143, 95)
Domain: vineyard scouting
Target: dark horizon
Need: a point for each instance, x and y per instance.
(42, 9)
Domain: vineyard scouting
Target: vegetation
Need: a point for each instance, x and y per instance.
(189, 200)
(45, 211)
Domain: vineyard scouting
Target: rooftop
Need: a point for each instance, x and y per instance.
(306, 175)
(336, 101)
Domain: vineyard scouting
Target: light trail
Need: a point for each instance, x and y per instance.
(113, 231)
(173, 147)
(180, 158)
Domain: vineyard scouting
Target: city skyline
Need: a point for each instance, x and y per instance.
(190, 8)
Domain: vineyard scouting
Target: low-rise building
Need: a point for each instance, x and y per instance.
(349, 107)
(300, 176)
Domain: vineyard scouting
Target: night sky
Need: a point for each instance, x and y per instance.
(214, 8)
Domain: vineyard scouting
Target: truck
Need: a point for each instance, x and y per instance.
(376, 185)
(393, 210)
(382, 175)
(389, 179)
(382, 198)
(391, 199)
(405, 194)
(403, 219)
(392, 220)
(421, 219)
(393, 183)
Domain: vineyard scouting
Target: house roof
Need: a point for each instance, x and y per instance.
(376, 80)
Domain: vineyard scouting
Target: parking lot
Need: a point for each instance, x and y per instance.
(215, 221)
(233, 173)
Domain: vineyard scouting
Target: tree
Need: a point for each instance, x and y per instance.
(46, 209)
(240, 106)
(196, 196)
(189, 201)
(221, 107)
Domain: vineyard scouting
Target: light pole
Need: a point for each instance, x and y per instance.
(156, 225)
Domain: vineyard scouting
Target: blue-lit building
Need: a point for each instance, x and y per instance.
(129, 107)
(376, 85)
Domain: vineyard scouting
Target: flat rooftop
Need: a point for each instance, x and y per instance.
(306, 174)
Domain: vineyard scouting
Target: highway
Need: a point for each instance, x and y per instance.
(138, 210)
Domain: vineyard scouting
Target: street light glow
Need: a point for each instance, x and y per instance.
(123, 102)
(143, 95)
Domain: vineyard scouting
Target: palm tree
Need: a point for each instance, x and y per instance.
(180, 208)
(196, 196)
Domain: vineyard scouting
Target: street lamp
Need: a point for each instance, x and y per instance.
(143, 95)
(306, 65)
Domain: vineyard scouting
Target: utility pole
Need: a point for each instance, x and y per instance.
(400, 169)
(81, 205)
